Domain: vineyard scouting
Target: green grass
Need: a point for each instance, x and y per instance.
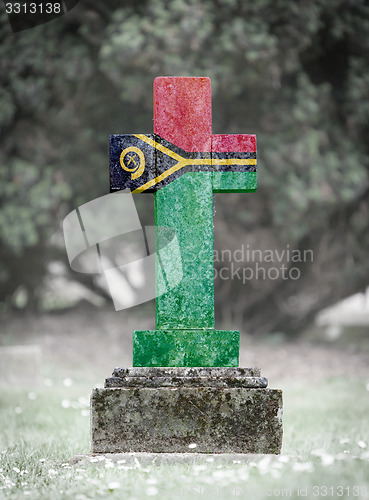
(325, 429)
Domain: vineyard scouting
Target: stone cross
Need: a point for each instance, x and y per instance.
(183, 164)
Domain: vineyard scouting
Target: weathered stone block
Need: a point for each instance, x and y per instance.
(217, 420)
(160, 419)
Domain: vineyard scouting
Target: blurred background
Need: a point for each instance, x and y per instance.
(294, 73)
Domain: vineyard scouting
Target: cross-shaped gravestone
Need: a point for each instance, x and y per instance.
(183, 164)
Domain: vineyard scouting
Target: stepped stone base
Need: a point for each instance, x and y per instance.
(169, 410)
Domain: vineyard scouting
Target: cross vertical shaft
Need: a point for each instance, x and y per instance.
(186, 205)
(182, 115)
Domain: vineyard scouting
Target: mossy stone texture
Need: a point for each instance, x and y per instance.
(169, 419)
(186, 377)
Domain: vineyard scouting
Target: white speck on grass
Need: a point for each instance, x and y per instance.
(67, 382)
(192, 446)
(210, 459)
(15, 469)
(109, 465)
(122, 461)
(318, 453)
(327, 460)
(264, 464)
(32, 396)
(52, 472)
(225, 474)
(284, 459)
(18, 410)
(138, 465)
(42, 460)
(8, 483)
(94, 459)
(152, 480)
(199, 467)
(65, 403)
(152, 491)
(303, 467)
(243, 472)
(277, 465)
(114, 485)
(344, 440)
(218, 473)
(361, 444)
(275, 473)
(341, 456)
(85, 413)
(26, 492)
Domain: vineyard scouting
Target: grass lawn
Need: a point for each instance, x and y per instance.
(325, 451)
(326, 421)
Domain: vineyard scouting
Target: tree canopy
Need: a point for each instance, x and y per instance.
(294, 73)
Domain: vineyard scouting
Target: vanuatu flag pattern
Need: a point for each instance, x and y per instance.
(146, 163)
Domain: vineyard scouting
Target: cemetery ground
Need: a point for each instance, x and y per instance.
(45, 423)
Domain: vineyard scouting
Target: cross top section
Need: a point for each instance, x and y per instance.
(182, 142)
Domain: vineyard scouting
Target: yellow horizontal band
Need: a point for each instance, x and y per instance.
(183, 162)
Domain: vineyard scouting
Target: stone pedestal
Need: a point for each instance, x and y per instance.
(166, 410)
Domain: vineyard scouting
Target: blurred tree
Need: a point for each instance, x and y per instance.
(294, 73)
